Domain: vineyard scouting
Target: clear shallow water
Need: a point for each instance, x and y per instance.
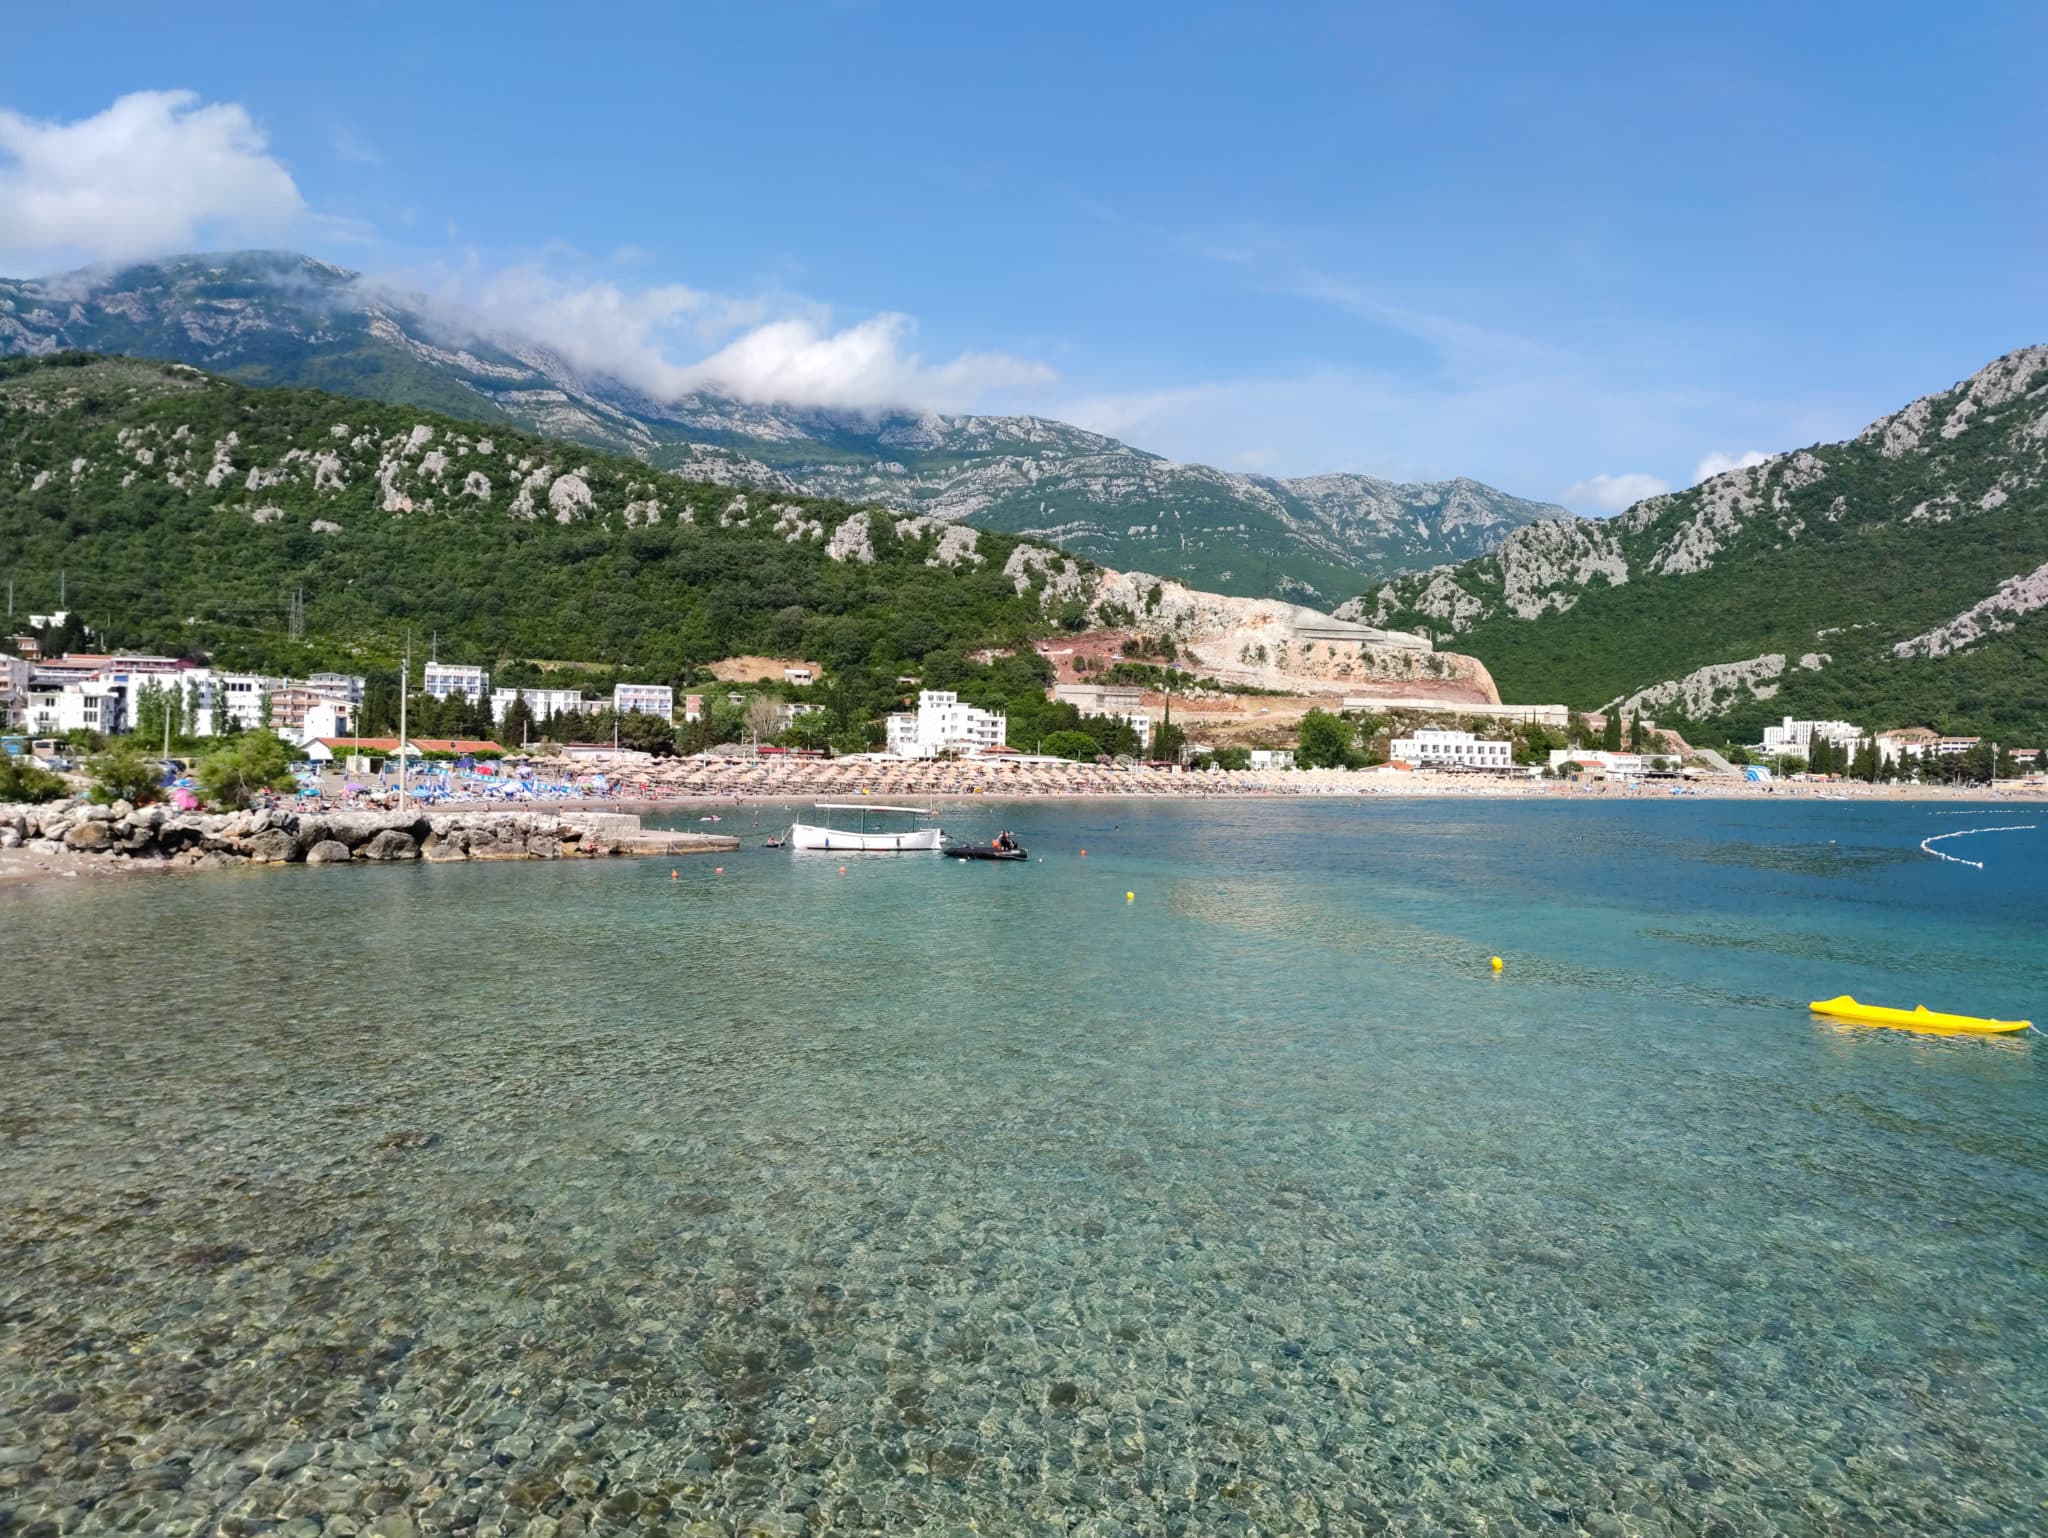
(943, 1199)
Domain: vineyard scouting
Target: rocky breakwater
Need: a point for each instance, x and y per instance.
(282, 836)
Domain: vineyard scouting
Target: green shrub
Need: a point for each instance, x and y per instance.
(1075, 745)
(125, 773)
(22, 779)
(257, 760)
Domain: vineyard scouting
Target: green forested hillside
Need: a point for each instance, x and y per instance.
(184, 512)
(1898, 578)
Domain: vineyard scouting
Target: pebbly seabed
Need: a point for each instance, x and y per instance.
(572, 1197)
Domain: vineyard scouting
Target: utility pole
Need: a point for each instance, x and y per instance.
(404, 688)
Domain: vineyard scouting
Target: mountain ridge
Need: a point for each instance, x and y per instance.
(282, 318)
(1897, 577)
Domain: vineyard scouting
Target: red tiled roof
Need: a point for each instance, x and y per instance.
(424, 744)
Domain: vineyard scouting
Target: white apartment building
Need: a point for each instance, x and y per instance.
(445, 678)
(128, 675)
(65, 702)
(1792, 736)
(542, 703)
(644, 700)
(241, 696)
(1433, 747)
(339, 686)
(942, 724)
(1271, 758)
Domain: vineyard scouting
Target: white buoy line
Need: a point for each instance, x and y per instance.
(1928, 844)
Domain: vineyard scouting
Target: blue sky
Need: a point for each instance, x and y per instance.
(1574, 251)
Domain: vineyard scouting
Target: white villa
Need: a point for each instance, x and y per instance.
(1618, 764)
(942, 724)
(1904, 742)
(1434, 747)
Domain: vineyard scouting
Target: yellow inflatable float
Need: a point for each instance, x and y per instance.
(1921, 1019)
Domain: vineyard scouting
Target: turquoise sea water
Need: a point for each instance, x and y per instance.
(945, 1199)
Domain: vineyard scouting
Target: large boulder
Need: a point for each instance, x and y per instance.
(496, 838)
(356, 829)
(329, 851)
(391, 844)
(272, 846)
(88, 835)
(446, 840)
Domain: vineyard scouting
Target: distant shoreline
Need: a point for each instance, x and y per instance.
(25, 870)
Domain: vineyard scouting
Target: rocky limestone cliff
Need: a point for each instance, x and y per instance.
(1902, 572)
(1544, 567)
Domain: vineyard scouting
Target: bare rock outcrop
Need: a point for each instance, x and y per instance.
(853, 541)
(1988, 616)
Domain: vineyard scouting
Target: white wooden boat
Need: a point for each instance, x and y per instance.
(876, 830)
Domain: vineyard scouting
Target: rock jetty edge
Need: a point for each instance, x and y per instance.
(284, 837)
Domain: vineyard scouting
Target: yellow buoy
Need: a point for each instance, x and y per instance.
(1496, 963)
(1130, 897)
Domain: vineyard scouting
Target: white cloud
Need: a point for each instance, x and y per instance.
(862, 367)
(156, 172)
(669, 339)
(1718, 463)
(1612, 493)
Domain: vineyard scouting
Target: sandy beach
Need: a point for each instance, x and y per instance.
(652, 787)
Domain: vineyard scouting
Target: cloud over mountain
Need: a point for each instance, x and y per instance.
(156, 171)
(160, 172)
(1612, 493)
